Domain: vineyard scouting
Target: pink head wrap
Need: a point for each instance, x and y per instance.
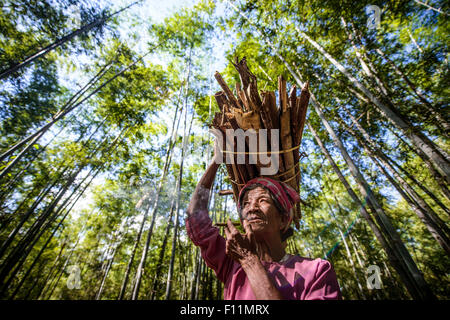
(287, 197)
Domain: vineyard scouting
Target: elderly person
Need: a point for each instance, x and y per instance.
(255, 265)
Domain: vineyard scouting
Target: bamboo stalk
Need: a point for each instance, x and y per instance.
(293, 108)
(273, 110)
(230, 96)
(271, 120)
(221, 99)
(246, 170)
(241, 97)
(255, 99)
(301, 107)
(301, 112)
(286, 138)
(242, 69)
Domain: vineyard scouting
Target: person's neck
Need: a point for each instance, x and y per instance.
(270, 250)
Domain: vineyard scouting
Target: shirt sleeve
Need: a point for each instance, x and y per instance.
(325, 285)
(212, 245)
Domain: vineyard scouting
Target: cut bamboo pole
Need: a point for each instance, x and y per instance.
(285, 133)
(230, 96)
(301, 112)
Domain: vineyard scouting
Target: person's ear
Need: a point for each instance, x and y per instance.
(284, 221)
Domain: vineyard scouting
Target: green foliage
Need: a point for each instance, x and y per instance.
(103, 162)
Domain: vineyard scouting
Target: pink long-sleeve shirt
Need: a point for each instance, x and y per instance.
(296, 278)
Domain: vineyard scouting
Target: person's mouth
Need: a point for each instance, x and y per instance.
(255, 219)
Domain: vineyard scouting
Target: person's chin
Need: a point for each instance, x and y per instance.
(258, 224)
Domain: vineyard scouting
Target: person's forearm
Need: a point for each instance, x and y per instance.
(262, 286)
(199, 200)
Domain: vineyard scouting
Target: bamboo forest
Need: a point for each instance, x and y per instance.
(105, 130)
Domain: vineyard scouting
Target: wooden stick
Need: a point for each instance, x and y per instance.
(225, 192)
(242, 69)
(271, 120)
(249, 85)
(265, 111)
(297, 215)
(253, 94)
(285, 123)
(274, 112)
(289, 118)
(241, 97)
(303, 106)
(247, 170)
(248, 81)
(293, 108)
(301, 113)
(224, 224)
(221, 100)
(226, 89)
(294, 129)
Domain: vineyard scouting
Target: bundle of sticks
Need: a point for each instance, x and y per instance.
(250, 109)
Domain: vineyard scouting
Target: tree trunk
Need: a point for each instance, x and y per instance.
(50, 273)
(62, 269)
(21, 251)
(177, 211)
(140, 269)
(434, 173)
(392, 254)
(365, 67)
(42, 195)
(352, 264)
(162, 253)
(108, 268)
(441, 121)
(60, 42)
(26, 250)
(179, 181)
(34, 137)
(386, 162)
(434, 224)
(419, 140)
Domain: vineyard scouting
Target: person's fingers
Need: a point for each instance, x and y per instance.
(247, 226)
(249, 231)
(234, 232)
(227, 233)
(228, 250)
(230, 226)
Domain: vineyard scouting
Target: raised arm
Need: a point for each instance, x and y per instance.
(200, 230)
(199, 200)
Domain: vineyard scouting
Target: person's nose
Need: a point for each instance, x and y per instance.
(253, 206)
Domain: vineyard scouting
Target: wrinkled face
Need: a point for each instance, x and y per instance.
(259, 209)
